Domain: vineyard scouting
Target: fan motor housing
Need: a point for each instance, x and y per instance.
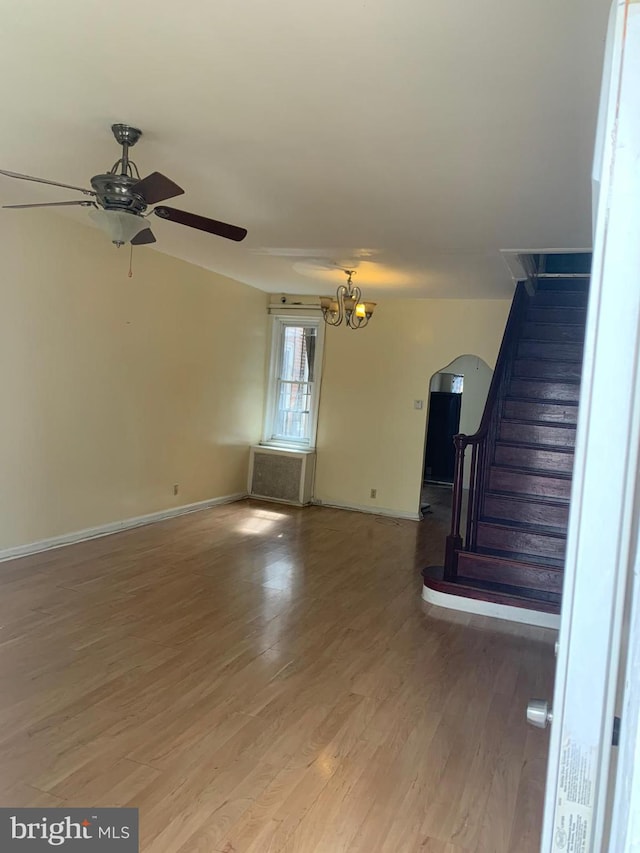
(114, 193)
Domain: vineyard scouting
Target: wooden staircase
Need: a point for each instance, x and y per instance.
(521, 458)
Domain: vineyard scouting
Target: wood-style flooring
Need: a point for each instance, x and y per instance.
(264, 678)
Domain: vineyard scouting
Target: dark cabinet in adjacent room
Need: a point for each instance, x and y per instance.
(444, 423)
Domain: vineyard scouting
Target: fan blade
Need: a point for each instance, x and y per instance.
(192, 220)
(143, 237)
(44, 181)
(53, 204)
(156, 187)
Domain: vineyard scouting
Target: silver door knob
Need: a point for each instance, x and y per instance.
(539, 714)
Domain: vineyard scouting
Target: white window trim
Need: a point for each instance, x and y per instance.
(279, 320)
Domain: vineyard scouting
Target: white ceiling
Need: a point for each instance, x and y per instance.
(431, 134)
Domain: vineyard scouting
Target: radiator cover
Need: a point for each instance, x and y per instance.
(278, 474)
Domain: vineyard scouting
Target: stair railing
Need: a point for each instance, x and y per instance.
(482, 442)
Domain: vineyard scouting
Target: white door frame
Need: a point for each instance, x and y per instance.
(605, 500)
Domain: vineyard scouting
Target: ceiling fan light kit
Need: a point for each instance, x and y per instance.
(120, 199)
(121, 226)
(347, 307)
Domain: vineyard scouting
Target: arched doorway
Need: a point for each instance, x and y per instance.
(457, 395)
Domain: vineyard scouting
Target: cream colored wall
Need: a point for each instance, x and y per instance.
(369, 433)
(115, 388)
(477, 379)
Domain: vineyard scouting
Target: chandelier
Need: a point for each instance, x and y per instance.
(347, 306)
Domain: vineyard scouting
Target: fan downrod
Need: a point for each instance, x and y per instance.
(125, 134)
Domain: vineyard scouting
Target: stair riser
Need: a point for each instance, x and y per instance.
(538, 369)
(520, 542)
(541, 390)
(477, 567)
(561, 314)
(555, 332)
(520, 538)
(557, 314)
(538, 434)
(565, 264)
(557, 298)
(529, 457)
(503, 480)
(550, 350)
(526, 512)
(529, 411)
(467, 591)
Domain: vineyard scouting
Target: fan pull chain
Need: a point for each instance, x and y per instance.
(131, 262)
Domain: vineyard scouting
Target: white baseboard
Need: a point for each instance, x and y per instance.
(489, 608)
(265, 499)
(373, 510)
(114, 527)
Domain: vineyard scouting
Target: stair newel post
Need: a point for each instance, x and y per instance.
(454, 540)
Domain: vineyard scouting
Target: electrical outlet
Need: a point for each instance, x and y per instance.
(175, 489)
(374, 492)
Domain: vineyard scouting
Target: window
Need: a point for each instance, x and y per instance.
(457, 384)
(292, 399)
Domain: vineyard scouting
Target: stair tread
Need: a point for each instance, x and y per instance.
(551, 358)
(538, 373)
(529, 421)
(555, 318)
(546, 297)
(548, 475)
(531, 340)
(522, 557)
(552, 401)
(534, 307)
(523, 469)
(525, 526)
(571, 351)
(507, 524)
(571, 383)
(536, 358)
(528, 378)
(539, 401)
(538, 423)
(578, 324)
(542, 357)
(521, 377)
(524, 498)
(556, 473)
(560, 448)
(525, 564)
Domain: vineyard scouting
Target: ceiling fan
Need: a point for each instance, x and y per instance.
(120, 198)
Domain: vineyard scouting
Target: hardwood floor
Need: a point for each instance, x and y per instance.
(264, 678)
